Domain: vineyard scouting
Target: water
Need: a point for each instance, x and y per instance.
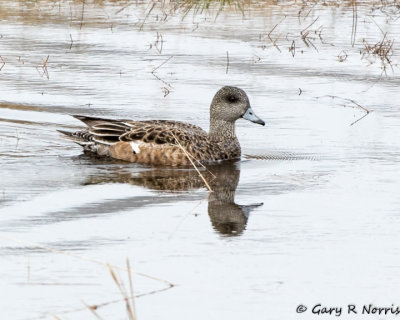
(311, 216)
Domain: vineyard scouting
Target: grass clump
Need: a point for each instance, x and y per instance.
(201, 6)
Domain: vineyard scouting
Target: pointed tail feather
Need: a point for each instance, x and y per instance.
(89, 121)
(76, 137)
(95, 121)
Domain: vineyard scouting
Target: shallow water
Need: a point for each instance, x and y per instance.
(310, 216)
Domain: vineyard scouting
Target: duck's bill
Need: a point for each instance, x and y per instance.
(251, 116)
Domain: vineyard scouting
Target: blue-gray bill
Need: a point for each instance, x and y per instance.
(251, 116)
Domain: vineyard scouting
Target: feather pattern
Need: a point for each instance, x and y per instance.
(161, 142)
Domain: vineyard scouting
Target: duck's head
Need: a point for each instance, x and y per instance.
(230, 104)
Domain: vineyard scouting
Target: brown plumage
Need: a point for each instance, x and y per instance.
(166, 142)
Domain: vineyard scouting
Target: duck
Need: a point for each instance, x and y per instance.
(169, 142)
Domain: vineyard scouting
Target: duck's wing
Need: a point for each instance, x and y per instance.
(173, 124)
(108, 131)
(99, 130)
(161, 132)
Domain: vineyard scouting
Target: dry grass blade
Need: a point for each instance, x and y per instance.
(93, 310)
(272, 30)
(156, 68)
(123, 8)
(128, 267)
(202, 165)
(305, 35)
(147, 15)
(354, 25)
(305, 29)
(43, 67)
(121, 287)
(191, 161)
(153, 72)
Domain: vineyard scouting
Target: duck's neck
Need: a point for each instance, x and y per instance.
(222, 130)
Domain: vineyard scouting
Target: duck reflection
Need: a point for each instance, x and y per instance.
(227, 217)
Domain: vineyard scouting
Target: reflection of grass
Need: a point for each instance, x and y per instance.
(292, 27)
(200, 6)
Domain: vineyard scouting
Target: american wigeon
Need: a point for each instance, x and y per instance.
(167, 142)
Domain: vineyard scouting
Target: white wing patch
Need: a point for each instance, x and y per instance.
(135, 147)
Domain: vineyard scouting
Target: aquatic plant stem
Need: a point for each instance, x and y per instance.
(194, 166)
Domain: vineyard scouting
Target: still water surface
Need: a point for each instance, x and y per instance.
(311, 216)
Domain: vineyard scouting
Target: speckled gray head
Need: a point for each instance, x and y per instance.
(232, 103)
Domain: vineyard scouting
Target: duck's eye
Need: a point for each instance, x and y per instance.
(232, 98)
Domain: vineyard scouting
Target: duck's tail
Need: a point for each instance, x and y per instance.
(80, 137)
